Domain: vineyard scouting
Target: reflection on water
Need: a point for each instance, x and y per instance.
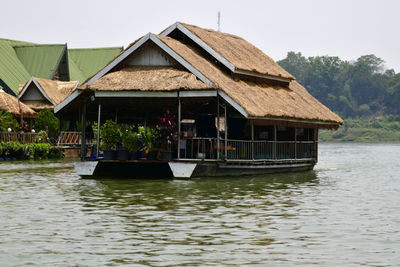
(343, 213)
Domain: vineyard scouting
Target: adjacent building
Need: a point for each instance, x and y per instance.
(19, 61)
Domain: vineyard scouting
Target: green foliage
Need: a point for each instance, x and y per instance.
(47, 121)
(130, 139)
(8, 121)
(110, 134)
(34, 151)
(42, 137)
(352, 89)
(146, 138)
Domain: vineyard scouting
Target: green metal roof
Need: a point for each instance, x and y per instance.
(40, 60)
(12, 71)
(19, 61)
(85, 62)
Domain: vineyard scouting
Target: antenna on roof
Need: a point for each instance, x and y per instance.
(219, 20)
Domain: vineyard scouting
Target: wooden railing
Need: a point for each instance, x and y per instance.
(69, 138)
(64, 138)
(206, 148)
(23, 138)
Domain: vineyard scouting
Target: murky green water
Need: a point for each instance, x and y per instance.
(346, 212)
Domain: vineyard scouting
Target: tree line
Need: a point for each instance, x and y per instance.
(360, 88)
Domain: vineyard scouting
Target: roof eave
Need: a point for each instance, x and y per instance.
(321, 124)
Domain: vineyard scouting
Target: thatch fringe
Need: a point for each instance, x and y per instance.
(147, 78)
(11, 104)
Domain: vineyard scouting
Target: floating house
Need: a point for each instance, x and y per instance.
(237, 111)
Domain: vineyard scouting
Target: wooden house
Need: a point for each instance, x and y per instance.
(249, 115)
(41, 94)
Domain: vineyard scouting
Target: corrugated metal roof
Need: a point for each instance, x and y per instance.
(40, 60)
(19, 61)
(84, 62)
(12, 71)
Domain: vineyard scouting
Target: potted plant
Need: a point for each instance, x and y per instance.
(167, 134)
(146, 136)
(110, 135)
(130, 141)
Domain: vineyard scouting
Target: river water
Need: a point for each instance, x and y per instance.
(344, 213)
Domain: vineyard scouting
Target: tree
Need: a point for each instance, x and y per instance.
(7, 121)
(48, 122)
(393, 97)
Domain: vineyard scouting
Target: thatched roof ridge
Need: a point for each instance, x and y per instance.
(11, 104)
(147, 78)
(57, 91)
(242, 54)
(258, 99)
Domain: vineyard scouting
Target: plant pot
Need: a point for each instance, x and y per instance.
(166, 155)
(152, 155)
(122, 154)
(141, 154)
(109, 154)
(132, 156)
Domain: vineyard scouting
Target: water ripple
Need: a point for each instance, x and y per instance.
(343, 213)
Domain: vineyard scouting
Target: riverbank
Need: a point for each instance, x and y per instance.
(385, 129)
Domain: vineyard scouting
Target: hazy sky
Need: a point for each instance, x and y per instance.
(344, 28)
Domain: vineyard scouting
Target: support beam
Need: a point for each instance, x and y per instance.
(252, 139)
(98, 131)
(83, 142)
(218, 127)
(295, 143)
(226, 131)
(316, 144)
(179, 126)
(275, 139)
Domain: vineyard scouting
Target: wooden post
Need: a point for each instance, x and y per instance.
(218, 128)
(179, 126)
(252, 139)
(316, 144)
(98, 131)
(295, 143)
(275, 139)
(226, 131)
(83, 141)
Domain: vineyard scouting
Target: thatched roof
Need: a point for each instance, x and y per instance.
(147, 78)
(259, 99)
(57, 90)
(38, 105)
(54, 91)
(242, 54)
(11, 104)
